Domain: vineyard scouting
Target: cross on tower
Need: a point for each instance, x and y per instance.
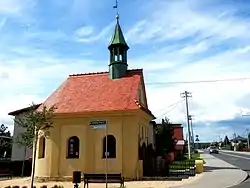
(116, 7)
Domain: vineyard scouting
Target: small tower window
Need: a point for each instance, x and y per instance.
(120, 58)
(116, 57)
(73, 147)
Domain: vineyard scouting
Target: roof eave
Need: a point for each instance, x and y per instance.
(23, 110)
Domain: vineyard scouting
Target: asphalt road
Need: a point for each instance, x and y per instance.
(239, 160)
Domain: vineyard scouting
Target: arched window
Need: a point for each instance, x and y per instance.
(41, 147)
(111, 149)
(73, 147)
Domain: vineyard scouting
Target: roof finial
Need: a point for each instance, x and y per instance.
(116, 7)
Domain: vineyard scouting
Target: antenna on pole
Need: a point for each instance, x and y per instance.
(117, 12)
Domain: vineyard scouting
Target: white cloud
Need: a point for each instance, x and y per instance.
(84, 31)
(24, 83)
(87, 38)
(203, 31)
(15, 6)
(196, 48)
(165, 23)
(210, 102)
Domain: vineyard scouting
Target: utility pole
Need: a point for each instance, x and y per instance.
(248, 138)
(186, 95)
(192, 130)
(248, 144)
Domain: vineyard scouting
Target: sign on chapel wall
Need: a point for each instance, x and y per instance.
(98, 124)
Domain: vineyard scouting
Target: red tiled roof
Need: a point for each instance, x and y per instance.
(96, 92)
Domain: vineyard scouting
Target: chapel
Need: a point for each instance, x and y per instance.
(91, 108)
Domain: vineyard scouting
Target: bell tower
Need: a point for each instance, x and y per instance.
(118, 52)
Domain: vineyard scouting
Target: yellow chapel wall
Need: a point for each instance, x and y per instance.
(125, 128)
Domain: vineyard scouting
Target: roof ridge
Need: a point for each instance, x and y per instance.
(101, 72)
(89, 73)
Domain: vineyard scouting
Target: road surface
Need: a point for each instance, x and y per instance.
(241, 161)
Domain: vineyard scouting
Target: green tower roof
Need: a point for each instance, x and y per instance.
(118, 37)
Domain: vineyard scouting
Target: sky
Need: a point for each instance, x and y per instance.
(175, 42)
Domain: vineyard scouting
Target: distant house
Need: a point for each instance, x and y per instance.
(19, 153)
(238, 143)
(239, 139)
(178, 137)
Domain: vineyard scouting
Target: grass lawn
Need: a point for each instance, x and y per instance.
(195, 156)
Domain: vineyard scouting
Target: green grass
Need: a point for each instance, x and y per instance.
(195, 156)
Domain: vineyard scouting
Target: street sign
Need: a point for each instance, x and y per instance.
(98, 124)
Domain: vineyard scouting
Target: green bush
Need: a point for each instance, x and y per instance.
(57, 186)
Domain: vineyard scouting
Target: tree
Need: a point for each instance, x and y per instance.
(5, 141)
(226, 141)
(36, 123)
(164, 137)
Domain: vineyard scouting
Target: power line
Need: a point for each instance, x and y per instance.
(169, 106)
(174, 105)
(199, 81)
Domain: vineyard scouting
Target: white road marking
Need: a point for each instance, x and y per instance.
(235, 156)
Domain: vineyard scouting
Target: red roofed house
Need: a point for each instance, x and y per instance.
(178, 137)
(85, 102)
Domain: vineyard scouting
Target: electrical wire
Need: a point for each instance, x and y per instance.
(168, 106)
(173, 105)
(199, 81)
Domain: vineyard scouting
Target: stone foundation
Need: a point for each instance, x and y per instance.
(48, 179)
(66, 179)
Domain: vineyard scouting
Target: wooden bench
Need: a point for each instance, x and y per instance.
(5, 173)
(100, 178)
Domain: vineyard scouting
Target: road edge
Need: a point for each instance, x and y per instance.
(242, 180)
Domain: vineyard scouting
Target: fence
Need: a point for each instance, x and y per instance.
(16, 167)
(182, 169)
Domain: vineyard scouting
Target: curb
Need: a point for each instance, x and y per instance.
(241, 181)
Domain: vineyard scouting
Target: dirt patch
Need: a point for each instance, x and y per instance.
(134, 184)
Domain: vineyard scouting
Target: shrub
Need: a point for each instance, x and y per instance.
(16, 186)
(8, 187)
(246, 149)
(57, 186)
(24, 187)
(44, 186)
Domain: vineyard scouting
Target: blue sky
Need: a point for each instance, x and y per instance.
(43, 41)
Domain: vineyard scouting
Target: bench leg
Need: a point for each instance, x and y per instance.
(122, 185)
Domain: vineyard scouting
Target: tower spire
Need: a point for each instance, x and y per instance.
(118, 51)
